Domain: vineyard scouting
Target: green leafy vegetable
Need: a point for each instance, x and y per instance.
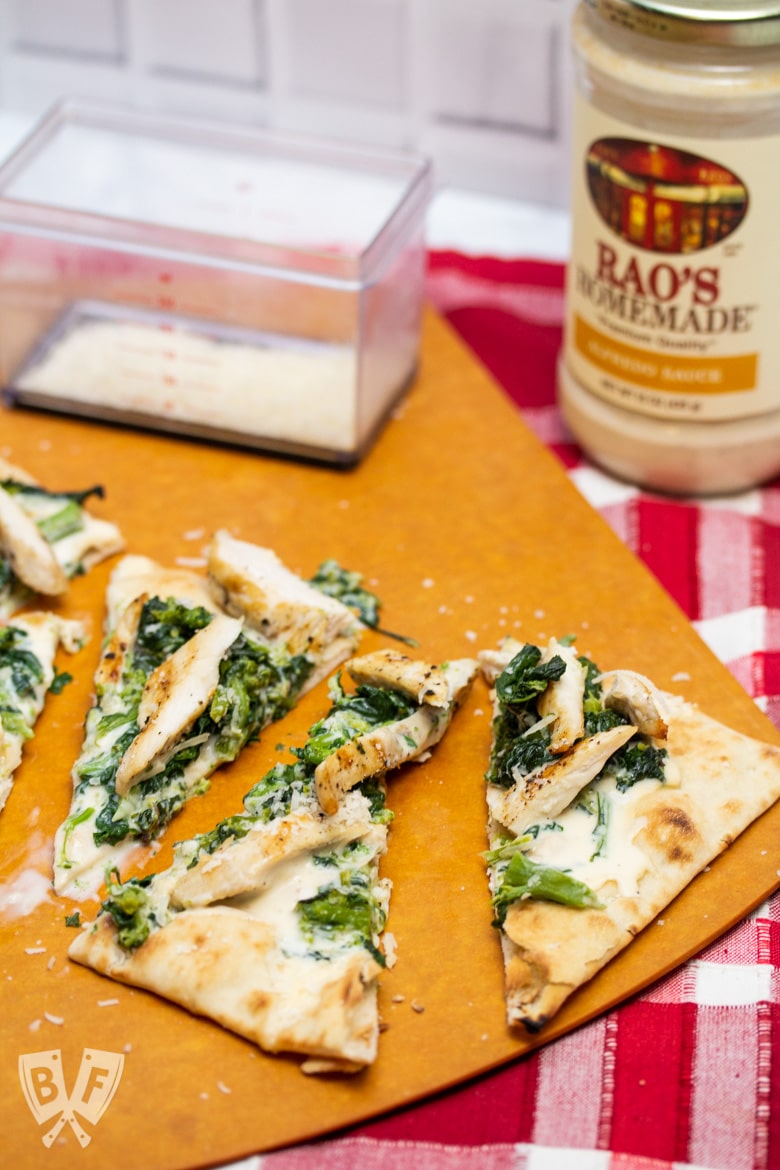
(257, 684)
(60, 681)
(636, 761)
(35, 491)
(524, 878)
(602, 825)
(352, 715)
(130, 906)
(67, 520)
(13, 721)
(597, 716)
(20, 673)
(73, 919)
(525, 677)
(514, 753)
(71, 823)
(347, 587)
(163, 627)
(20, 665)
(345, 912)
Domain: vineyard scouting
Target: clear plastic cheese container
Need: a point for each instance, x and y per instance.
(211, 280)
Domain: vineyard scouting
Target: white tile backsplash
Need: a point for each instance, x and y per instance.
(494, 69)
(203, 40)
(348, 50)
(81, 28)
(482, 87)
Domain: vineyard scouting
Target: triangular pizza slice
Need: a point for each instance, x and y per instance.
(27, 652)
(271, 924)
(193, 667)
(606, 796)
(46, 537)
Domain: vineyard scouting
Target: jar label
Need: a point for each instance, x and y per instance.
(672, 284)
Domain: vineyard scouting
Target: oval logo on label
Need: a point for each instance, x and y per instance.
(663, 199)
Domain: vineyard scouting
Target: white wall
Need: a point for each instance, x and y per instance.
(481, 85)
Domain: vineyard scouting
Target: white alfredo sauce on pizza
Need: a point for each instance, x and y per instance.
(568, 841)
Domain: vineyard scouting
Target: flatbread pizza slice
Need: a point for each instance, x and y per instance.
(27, 672)
(46, 538)
(193, 668)
(272, 923)
(591, 835)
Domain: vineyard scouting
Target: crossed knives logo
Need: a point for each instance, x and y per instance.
(43, 1083)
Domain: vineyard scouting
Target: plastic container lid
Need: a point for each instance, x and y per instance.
(137, 177)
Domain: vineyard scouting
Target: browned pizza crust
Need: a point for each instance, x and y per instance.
(226, 965)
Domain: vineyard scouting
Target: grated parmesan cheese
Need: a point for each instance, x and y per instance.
(299, 393)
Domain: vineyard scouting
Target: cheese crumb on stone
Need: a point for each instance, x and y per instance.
(389, 948)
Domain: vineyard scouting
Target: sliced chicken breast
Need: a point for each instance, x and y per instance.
(31, 556)
(547, 791)
(636, 698)
(397, 743)
(420, 681)
(245, 865)
(251, 582)
(563, 698)
(176, 693)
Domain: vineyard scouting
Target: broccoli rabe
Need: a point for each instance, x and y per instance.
(523, 878)
(130, 906)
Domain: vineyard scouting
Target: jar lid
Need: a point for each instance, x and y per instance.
(712, 22)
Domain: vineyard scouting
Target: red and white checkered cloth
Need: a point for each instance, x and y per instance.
(687, 1075)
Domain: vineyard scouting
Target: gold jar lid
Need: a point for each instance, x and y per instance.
(710, 22)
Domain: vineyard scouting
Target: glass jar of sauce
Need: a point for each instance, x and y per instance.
(670, 370)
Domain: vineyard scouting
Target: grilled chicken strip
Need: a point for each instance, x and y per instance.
(175, 694)
(245, 865)
(547, 791)
(635, 697)
(30, 556)
(252, 583)
(396, 743)
(563, 699)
